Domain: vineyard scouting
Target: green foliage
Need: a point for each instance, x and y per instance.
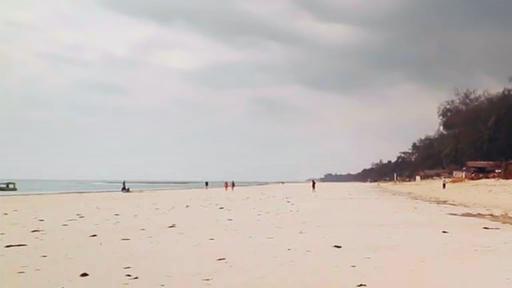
(472, 126)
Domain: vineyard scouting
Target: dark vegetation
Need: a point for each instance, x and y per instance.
(472, 126)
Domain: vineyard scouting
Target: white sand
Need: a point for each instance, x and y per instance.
(270, 236)
(490, 195)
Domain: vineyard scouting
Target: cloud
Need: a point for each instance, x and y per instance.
(339, 45)
(233, 89)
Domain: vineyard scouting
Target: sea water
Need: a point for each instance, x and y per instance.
(70, 186)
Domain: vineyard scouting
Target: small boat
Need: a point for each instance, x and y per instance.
(8, 186)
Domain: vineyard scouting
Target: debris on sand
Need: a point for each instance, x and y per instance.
(172, 226)
(337, 246)
(36, 230)
(84, 274)
(445, 232)
(14, 245)
(361, 285)
(221, 259)
(125, 239)
(490, 228)
(93, 235)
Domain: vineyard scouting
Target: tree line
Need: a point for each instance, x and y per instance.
(473, 126)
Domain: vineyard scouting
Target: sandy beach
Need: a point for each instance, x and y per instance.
(492, 196)
(342, 235)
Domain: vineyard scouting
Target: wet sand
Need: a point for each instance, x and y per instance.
(343, 235)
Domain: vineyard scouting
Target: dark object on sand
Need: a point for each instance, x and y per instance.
(84, 274)
(206, 184)
(15, 245)
(490, 228)
(124, 188)
(172, 226)
(444, 184)
(313, 185)
(361, 285)
(93, 235)
(8, 186)
(221, 259)
(337, 246)
(444, 232)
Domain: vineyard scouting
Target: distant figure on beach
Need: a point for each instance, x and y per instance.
(313, 184)
(124, 188)
(226, 185)
(232, 185)
(444, 183)
(206, 184)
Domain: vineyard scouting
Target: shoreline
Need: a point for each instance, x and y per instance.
(141, 190)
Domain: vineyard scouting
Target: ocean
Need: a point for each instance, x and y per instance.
(75, 186)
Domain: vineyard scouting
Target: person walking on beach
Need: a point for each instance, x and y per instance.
(232, 185)
(313, 184)
(123, 189)
(206, 184)
(226, 185)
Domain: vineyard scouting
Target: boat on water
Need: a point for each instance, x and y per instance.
(8, 186)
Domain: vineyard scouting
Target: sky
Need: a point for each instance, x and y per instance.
(245, 90)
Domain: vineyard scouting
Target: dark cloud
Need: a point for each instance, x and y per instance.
(447, 43)
(442, 44)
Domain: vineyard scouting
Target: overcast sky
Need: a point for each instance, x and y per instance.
(244, 90)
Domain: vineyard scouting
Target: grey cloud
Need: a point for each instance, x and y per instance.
(437, 43)
(227, 19)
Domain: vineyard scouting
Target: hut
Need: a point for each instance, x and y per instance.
(484, 169)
